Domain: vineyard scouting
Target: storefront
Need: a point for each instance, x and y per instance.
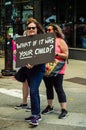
(69, 14)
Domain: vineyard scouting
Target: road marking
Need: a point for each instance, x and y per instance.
(14, 92)
(73, 120)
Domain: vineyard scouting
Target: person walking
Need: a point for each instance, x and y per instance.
(61, 51)
(34, 75)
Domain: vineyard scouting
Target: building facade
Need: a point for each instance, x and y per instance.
(69, 14)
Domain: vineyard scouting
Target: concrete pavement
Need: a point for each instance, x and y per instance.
(75, 88)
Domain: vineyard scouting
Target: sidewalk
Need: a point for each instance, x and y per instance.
(75, 88)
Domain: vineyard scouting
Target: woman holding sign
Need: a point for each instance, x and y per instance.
(34, 75)
(61, 51)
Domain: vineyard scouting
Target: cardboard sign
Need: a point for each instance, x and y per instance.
(35, 49)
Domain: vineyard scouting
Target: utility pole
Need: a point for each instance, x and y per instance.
(8, 71)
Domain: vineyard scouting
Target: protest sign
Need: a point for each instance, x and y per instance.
(35, 49)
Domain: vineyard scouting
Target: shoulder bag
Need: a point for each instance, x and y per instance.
(52, 69)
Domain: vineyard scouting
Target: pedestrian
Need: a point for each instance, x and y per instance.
(14, 53)
(25, 87)
(61, 51)
(34, 75)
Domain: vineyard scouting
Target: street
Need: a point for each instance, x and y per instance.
(75, 88)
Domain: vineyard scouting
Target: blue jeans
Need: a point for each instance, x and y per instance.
(35, 79)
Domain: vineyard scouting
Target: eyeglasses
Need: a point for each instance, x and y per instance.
(33, 28)
(49, 30)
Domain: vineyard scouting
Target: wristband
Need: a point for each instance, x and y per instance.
(56, 55)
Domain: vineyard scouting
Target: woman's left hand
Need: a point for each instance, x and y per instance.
(29, 66)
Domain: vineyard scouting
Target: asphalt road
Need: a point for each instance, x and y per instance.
(11, 95)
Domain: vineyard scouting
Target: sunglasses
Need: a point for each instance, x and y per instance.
(33, 28)
(49, 30)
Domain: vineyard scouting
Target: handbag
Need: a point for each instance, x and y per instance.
(53, 68)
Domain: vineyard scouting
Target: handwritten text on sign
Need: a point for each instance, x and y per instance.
(35, 49)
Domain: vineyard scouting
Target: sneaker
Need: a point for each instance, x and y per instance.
(35, 120)
(63, 114)
(28, 119)
(21, 106)
(47, 110)
(28, 109)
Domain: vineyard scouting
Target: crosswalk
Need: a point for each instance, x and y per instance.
(14, 92)
(73, 119)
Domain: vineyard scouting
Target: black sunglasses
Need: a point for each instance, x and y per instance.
(33, 28)
(49, 30)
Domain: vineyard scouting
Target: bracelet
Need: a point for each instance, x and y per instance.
(56, 55)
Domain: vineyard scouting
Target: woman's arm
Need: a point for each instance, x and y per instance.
(64, 49)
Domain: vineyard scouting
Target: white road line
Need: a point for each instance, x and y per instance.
(11, 92)
(14, 92)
